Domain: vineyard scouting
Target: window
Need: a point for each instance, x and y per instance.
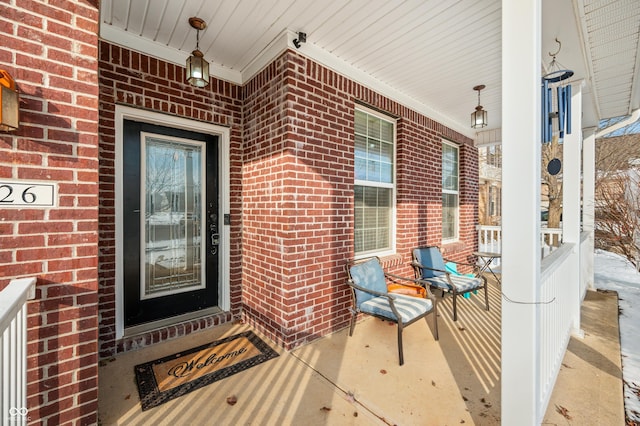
(494, 155)
(450, 195)
(374, 183)
(494, 201)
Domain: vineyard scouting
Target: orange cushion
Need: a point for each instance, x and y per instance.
(403, 289)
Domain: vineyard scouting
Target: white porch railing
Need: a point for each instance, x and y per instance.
(490, 240)
(559, 279)
(554, 317)
(13, 350)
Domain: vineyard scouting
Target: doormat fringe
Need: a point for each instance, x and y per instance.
(175, 375)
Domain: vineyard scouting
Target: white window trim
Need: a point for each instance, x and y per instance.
(456, 237)
(127, 113)
(392, 186)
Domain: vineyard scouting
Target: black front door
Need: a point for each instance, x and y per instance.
(170, 222)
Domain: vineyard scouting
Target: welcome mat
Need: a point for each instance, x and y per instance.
(175, 375)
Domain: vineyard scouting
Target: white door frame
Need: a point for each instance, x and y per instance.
(128, 113)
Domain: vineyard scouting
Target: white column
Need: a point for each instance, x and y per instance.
(588, 197)
(571, 149)
(521, 115)
(588, 178)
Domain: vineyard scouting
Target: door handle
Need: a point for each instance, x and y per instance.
(215, 239)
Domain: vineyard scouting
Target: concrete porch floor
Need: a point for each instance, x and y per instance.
(342, 380)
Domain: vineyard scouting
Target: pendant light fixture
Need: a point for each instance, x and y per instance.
(479, 116)
(197, 66)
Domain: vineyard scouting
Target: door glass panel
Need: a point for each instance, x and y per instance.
(171, 213)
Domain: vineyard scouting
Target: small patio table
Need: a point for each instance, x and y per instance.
(486, 258)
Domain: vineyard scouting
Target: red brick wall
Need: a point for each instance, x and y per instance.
(298, 194)
(130, 78)
(51, 51)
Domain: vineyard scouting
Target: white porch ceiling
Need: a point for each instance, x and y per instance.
(426, 53)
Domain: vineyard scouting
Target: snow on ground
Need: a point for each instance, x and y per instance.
(613, 272)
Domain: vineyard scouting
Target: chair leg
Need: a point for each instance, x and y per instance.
(455, 306)
(435, 322)
(486, 296)
(353, 322)
(400, 344)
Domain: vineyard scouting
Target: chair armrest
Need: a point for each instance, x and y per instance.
(427, 286)
(394, 277)
(460, 263)
(421, 266)
(416, 283)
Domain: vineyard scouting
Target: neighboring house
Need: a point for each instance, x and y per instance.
(181, 208)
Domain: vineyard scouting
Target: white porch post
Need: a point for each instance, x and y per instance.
(521, 115)
(572, 148)
(588, 197)
(588, 178)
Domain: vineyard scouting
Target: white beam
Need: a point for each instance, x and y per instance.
(588, 196)
(588, 178)
(572, 148)
(521, 153)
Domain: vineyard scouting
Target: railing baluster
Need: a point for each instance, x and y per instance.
(13, 350)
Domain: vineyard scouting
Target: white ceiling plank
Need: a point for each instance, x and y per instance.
(153, 19)
(169, 23)
(427, 52)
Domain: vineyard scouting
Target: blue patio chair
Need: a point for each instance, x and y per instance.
(370, 296)
(429, 266)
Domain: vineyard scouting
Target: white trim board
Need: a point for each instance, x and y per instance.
(128, 113)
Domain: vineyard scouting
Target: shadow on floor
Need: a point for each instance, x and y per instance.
(342, 380)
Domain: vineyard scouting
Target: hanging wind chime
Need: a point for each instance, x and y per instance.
(555, 87)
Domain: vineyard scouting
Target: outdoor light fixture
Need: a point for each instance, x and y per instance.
(9, 101)
(302, 38)
(197, 66)
(479, 116)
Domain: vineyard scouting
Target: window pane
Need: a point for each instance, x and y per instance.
(386, 173)
(373, 171)
(386, 152)
(372, 218)
(373, 127)
(450, 158)
(361, 123)
(360, 168)
(361, 146)
(172, 217)
(374, 148)
(449, 167)
(449, 216)
(386, 131)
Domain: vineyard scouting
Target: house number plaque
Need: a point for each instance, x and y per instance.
(27, 194)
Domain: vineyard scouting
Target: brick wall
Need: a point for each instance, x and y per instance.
(51, 51)
(131, 78)
(298, 194)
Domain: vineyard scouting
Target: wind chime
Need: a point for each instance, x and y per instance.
(555, 87)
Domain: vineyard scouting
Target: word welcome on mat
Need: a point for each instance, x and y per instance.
(175, 375)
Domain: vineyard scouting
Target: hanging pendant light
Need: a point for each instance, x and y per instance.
(197, 66)
(479, 116)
